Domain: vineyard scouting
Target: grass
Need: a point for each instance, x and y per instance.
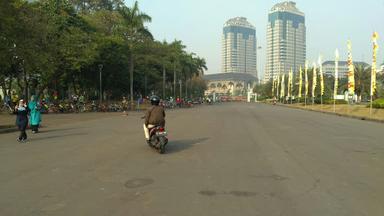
(360, 111)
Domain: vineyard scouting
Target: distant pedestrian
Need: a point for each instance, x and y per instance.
(35, 115)
(178, 102)
(7, 100)
(124, 105)
(15, 98)
(21, 110)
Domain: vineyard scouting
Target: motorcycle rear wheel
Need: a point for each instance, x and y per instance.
(162, 143)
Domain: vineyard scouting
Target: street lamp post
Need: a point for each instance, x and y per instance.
(101, 91)
(163, 82)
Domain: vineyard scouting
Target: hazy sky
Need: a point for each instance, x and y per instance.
(330, 23)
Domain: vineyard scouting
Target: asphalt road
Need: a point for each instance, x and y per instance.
(230, 159)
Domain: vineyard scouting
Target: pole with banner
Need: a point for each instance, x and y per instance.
(374, 68)
(278, 87)
(282, 93)
(300, 83)
(306, 82)
(291, 84)
(321, 80)
(314, 83)
(351, 73)
(337, 57)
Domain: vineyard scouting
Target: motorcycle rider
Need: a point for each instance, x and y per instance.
(155, 116)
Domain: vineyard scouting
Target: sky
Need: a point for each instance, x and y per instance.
(330, 23)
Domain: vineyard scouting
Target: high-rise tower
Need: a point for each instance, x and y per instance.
(239, 47)
(286, 40)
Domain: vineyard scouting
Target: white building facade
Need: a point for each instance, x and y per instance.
(239, 47)
(329, 68)
(286, 40)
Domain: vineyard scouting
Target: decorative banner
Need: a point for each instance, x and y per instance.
(351, 71)
(306, 78)
(321, 75)
(314, 80)
(277, 86)
(289, 84)
(282, 93)
(374, 67)
(336, 86)
(300, 81)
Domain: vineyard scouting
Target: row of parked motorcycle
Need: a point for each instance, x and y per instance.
(72, 107)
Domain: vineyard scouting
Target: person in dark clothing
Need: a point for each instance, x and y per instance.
(155, 116)
(22, 111)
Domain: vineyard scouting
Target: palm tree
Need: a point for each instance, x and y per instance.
(135, 34)
(177, 52)
(201, 65)
(362, 79)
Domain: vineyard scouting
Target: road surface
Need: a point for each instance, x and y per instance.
(229, 159)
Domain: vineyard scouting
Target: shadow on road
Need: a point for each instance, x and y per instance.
(32, 138)
(181, 145)
(54, 130)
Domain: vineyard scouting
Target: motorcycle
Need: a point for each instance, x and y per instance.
(7, 108)
(158, 139)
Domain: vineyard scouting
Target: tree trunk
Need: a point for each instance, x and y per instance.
(19, 83)
(131, 68)
(3, 87)
(26, 85)
(163, 82)
(10, 85)
(145, 85)
(186, 88)
(181, 89)
(174, 80)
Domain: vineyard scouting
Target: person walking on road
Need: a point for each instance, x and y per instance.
(21, 110)
(35, 115)
(124, 105)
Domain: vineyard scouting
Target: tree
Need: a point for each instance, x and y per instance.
(135, 34)
(58, 45)
(88, 6)
(8, 19)
(363, 81)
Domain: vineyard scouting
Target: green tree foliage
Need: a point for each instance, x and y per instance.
(59, 45)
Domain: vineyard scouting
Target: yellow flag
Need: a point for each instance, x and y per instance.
(306, 78)
(282, 93)
(314, 80)
(374, 67)
(289, 84)
(351, 71)
(277, 86)
(300, 81)
(321, 75)
(336, 86)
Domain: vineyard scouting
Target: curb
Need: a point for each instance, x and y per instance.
(335, 114)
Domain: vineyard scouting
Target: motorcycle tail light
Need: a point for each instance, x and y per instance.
(161, 129)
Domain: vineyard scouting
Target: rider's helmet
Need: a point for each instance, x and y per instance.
(155, 100)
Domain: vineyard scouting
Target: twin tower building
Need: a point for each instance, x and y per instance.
(286, 43)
